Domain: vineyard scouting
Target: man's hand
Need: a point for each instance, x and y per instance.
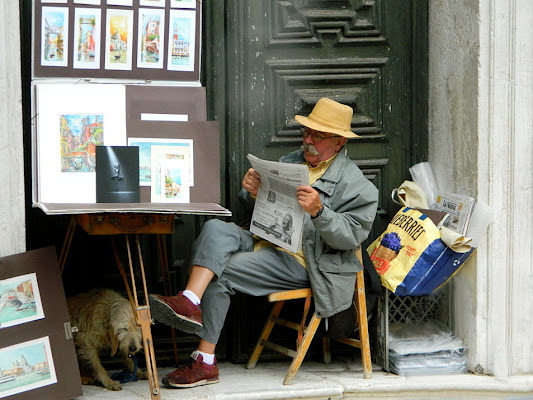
(251, 182)
(308, 199)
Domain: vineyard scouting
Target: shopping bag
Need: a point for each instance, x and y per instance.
(410, 256)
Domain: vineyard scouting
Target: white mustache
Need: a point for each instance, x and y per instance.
(310, 148)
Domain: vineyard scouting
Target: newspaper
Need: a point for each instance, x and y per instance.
(277, 216)
(458, 207)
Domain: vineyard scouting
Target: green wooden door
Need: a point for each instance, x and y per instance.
(265, 61)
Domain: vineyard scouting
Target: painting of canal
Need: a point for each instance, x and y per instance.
(54, 36)
(26, 366)
(79, 136)
(150, 41)
(119, 29)
(182, 32)
(20, 301)
(87, 25)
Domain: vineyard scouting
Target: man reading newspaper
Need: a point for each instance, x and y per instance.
(339, 205)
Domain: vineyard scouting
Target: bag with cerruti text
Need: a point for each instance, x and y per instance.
(410, 256)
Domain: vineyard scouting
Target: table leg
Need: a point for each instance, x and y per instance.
(167, 284)
(145, 319)
(66, 243)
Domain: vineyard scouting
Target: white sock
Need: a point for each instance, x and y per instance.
(192, 297)
(207, 358)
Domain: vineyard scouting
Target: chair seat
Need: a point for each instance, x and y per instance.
(290, 295)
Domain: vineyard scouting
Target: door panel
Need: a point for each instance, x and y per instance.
(277, 58)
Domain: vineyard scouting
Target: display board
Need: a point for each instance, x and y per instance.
(37, 353)
(150, 40)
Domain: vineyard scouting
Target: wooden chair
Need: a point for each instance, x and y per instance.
(307, 332)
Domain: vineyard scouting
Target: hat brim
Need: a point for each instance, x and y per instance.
(306, 121)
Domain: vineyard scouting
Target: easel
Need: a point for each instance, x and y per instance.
(158, 221)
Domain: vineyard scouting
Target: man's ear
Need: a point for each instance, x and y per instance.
(341, 142)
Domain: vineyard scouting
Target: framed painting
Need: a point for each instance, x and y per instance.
(119, 39)
(182, 40)
(54, 36)
(151, 38)
(87, 27)
(71, 121)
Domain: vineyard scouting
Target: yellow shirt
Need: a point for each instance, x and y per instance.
(314, 174)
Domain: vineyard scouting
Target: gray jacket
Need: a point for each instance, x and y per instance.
(350, 204)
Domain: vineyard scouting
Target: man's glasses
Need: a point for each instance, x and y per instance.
(315, 136)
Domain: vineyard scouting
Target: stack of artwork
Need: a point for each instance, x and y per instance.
(167, 125)
(116, 36)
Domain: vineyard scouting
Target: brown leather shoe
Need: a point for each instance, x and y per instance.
(192, 373)
(177, 311)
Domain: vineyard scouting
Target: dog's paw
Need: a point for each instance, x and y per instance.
(110, 384)
(143, 375)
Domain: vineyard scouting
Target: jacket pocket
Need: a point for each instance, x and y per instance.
(333, 263)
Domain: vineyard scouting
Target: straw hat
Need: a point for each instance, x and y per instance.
(329, 116)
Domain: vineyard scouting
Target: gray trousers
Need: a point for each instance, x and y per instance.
(227, 250)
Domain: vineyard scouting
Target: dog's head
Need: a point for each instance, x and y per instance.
(126, 335)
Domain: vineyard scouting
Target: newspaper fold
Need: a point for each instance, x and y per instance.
(277, 216)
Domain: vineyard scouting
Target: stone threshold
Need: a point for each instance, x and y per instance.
(340, 380)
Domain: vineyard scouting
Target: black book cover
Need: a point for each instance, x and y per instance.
(117, 174)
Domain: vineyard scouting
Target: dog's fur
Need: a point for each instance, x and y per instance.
(105, 323)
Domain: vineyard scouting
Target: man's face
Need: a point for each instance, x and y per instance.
(320, 146)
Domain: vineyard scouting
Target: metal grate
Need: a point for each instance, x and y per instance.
(409, 310)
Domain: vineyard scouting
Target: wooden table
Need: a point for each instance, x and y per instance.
(132, 220)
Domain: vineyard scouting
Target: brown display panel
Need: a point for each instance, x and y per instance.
(43, 262)
(147, 74)
(165, 100)
(206, 153)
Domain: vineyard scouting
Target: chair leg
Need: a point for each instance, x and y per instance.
(362, 320)
(326, 350)
(264, 335)
(302, 349)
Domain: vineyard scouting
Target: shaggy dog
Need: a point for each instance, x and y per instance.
(105, 323)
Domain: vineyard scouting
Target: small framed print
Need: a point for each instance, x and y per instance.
(54, 36)
(87, 27)
(182, 40)
(119, 39)
(20, 300)
(151, 38)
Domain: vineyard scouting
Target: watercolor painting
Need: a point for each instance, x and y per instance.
(183, 3)
(175, 187)
(87, 24)
(150, 41)
(151, 150)
(26, 366)
(79, 136)
(54, 36)
(182, 42)
(20, 300)
(119, 29)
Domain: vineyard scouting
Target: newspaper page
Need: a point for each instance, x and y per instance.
(458, 207)
(277, 216)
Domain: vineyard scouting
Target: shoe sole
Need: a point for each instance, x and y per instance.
(190, 385)
(166, 315)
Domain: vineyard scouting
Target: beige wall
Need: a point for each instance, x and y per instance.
(12, 219)
(481, 144)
